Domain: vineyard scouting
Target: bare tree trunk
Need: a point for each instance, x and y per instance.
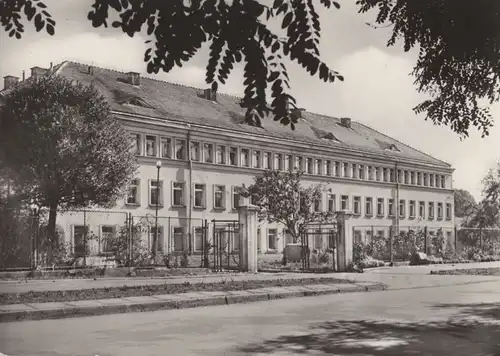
(51, 227)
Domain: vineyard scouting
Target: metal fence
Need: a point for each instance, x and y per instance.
(393, 243)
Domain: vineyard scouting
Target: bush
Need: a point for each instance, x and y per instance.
(185, 259)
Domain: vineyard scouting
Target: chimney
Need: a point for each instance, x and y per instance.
(90, 70)
(37, 72)
(210, 94)
(9, 81)
(24, 76)
(346, 122)
(134, 78)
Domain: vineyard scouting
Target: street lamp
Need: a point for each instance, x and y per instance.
(155, 239)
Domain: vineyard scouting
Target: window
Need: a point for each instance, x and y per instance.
(256, 159)
(208, 153)
(402, 208)
(345, 172)
(178, 194)
(219, 196)
(180, 149)
(381, 233)
(327, 168)
(199, 195)
(380, 207)
(233, 156)
(412, 209)
(267, 160)
(421, 210)
(79, 243)
(271, 239)
(155, 192)
(440, 211)
(370, 172)
(317, 205)
(400, 176)
(354, 170)
(198, 239)
(385, 174)
(150, 146)
(236, 197)
(337, 169)
(221, 154)
(448, 211)
(391, 207)
(357, 205)
(331, 202)
(288, 162)
(361, 174)
(245, 157)
(368, 206)
(426, 180)
(309, 165)
(136, 143)
(412, 178)
(278, 161)
(298, 163)
(392, 179)
(431, 210)
(344, 202)
(317, 169)
(431, 180)
(443, 182)
(159, 238)
(166, 147)
(195, 151)
(178, 233)
(107, 233)
(133, 192)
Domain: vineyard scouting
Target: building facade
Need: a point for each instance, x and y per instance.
(206, 151)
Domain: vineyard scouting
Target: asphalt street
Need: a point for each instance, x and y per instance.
(451, 320)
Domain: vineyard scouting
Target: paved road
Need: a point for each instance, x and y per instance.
(426, 321)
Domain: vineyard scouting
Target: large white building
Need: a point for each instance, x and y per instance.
(206, 150)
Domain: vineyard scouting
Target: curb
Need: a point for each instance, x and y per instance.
(171, 301)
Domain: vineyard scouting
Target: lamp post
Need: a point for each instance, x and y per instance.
(155, 238)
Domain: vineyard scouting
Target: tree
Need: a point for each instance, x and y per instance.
(457, 63)
(465, 204)
(63, 145)
(282, 199)
(487, 213)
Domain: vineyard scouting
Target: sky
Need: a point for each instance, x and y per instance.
(378, 89)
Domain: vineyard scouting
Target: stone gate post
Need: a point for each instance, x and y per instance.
(345, 240)
(248, 236)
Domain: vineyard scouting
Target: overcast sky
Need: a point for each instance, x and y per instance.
(378, 90)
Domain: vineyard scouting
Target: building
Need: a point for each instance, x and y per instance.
(206, 151)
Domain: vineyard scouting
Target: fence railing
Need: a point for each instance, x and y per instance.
(392, 243)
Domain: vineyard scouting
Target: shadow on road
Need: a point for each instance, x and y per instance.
(474, 330)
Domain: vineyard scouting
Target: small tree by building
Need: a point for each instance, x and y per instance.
(282, 199)
(63, 146)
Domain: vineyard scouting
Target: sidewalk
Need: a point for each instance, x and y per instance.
(57, 310)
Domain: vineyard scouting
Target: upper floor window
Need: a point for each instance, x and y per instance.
(199, 195)
(166, 147)
(256, 159)
(195, 151)
(412, 208)
(233, 156)
(180, 149)
(288, 162)
(345, 169)
(344, 202)
(136, 143)
(402, 208)
(309, 165)
(267, 160)
(327, 168)
(278, 161)
(155, 192)
(391, 207)
(439, 211)
(380, 207)
(318, 167)
(369, 206)
(331, 202)
(431, 210)
(177, 194)
(357, 205)
(150, 146)
(298, 163)
(221, 154)
(448, 211)
(421, 210)
(219, 197)
(337, 169)
(208, 153)
(245, 157)
(133, 192)
(361, 174)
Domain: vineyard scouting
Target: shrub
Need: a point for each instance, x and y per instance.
(185, 259)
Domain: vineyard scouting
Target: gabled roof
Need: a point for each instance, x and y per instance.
(157, 98)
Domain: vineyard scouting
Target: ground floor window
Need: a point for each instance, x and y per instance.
(272, 239)
(178, 238)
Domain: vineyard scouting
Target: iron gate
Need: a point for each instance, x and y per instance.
(321, 239)
(223, 246)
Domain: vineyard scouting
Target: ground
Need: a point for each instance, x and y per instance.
(429, 317)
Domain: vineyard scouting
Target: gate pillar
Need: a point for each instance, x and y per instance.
(345, 240)
(248, 236)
